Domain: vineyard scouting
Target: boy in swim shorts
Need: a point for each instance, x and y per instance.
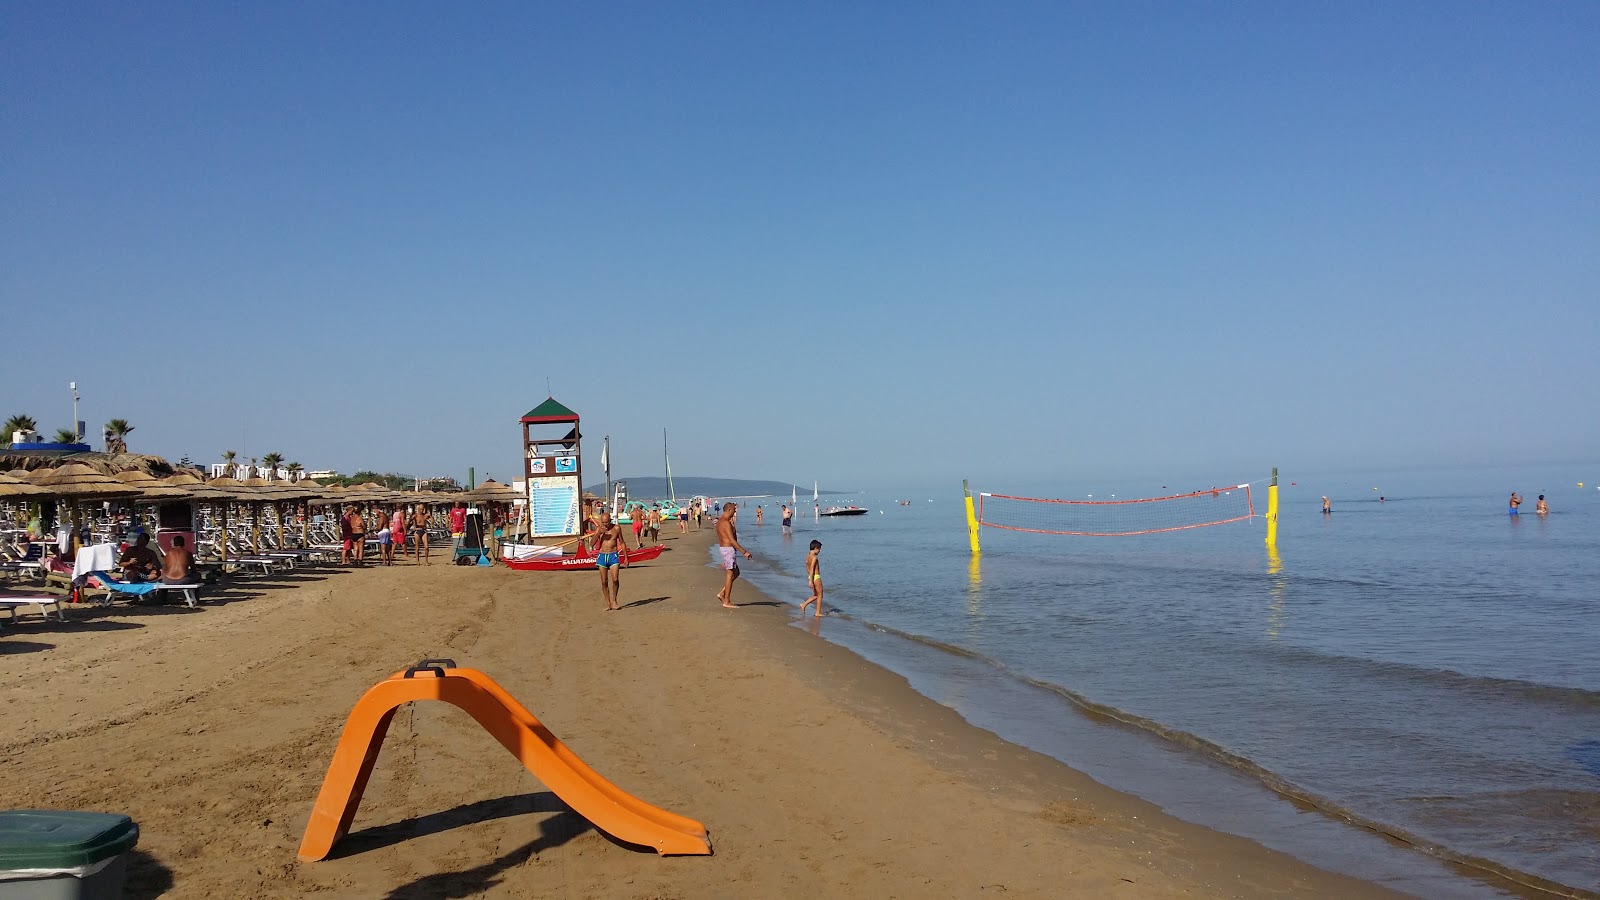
(814, 575)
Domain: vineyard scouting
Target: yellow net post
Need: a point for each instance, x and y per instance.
(1272, 511)
(972, 518)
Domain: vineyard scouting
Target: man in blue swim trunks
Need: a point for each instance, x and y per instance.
(610, 548)
(1515, 502)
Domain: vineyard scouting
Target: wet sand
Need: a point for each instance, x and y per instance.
(816, 772)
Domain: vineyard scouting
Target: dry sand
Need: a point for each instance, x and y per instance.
(816, 772)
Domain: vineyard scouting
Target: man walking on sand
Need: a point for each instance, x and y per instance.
(419, 527)
(728, 547)
(610, 548)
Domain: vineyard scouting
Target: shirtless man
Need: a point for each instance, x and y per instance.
(419, 528)
(179, 560)
(1515, 502)
(1326, 506)
(788, 519)
(727, 546)
(610, 548)
(139, 563)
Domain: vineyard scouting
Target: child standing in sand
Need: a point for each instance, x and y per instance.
(814, 575)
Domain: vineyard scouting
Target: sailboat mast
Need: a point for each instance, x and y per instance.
(672, 493)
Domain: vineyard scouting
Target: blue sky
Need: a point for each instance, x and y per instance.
(868, 244)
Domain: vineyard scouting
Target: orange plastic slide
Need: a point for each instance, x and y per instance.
(612, 810)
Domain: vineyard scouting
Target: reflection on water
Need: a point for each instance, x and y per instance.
(975, 586)
(1280, 585)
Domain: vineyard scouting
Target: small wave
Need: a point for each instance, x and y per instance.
(1217, 753)
(1531, 690)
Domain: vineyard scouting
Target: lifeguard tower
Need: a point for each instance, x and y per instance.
(553, 464)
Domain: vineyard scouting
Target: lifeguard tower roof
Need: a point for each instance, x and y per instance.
(550, 410)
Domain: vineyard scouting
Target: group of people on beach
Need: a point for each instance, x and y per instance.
(611, 551)
(394, 529)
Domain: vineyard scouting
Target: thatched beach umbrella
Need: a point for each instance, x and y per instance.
(17, 488)
(293, 492)
(237, 492)
(492, 490)
(151, 488)
(76, 482)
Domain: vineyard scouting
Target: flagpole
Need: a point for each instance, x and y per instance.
(605, 464)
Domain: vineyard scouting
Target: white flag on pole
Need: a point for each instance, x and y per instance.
(605, 457)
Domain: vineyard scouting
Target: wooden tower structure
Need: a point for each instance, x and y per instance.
(553, 465)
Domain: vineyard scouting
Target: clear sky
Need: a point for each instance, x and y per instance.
(868, 244)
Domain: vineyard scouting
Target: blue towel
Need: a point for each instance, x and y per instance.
(136, 588)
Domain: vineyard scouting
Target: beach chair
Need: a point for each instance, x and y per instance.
(46, 602)
(190, 591)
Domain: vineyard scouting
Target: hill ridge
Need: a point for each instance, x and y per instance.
(655, 486)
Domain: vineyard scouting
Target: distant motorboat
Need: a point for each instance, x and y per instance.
(843, 511)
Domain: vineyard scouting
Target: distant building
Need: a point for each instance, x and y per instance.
(322, 473)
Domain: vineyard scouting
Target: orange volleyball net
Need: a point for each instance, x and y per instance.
(1117, 518)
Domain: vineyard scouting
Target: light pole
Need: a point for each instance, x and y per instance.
(77, 427)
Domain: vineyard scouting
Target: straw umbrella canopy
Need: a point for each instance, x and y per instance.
(238, 492)
(266, 492)
(492, 490)
(20, 489)
(76, 482)
(151, 488)
(292, 492)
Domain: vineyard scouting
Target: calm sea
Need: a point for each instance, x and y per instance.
(1421, 673)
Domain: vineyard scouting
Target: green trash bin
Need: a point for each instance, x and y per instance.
(62, 855)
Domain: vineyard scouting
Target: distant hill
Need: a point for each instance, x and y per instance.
(648, 488)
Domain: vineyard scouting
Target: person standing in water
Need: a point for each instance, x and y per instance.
(1541, 508)
(788, 519)
(1326, 506)
(814, 575)
(727, 546)
(1515, 502)
(758, 514)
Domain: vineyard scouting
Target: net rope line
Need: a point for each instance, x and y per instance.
(1117, 518)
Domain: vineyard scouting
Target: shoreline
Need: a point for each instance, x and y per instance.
(815, 769)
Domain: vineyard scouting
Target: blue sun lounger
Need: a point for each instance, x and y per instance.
(140, 588)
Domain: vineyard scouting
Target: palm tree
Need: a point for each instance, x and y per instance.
(15, 424)
(294, 471)
(271, 461)
(66, 436)
(252, 472)
(117, 431)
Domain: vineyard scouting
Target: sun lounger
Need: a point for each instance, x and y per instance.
(137, 589)
(115, 588)
(45, 602)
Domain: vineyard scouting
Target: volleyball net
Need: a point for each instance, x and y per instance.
(1116, 518)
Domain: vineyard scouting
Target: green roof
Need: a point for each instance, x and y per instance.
(550, 409)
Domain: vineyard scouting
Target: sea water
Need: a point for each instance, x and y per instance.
(1420, 672)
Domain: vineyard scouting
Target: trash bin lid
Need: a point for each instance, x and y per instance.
(62, 839)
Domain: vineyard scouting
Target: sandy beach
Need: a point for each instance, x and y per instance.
(816, 772)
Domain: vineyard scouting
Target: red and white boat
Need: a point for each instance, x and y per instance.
(580, 562)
